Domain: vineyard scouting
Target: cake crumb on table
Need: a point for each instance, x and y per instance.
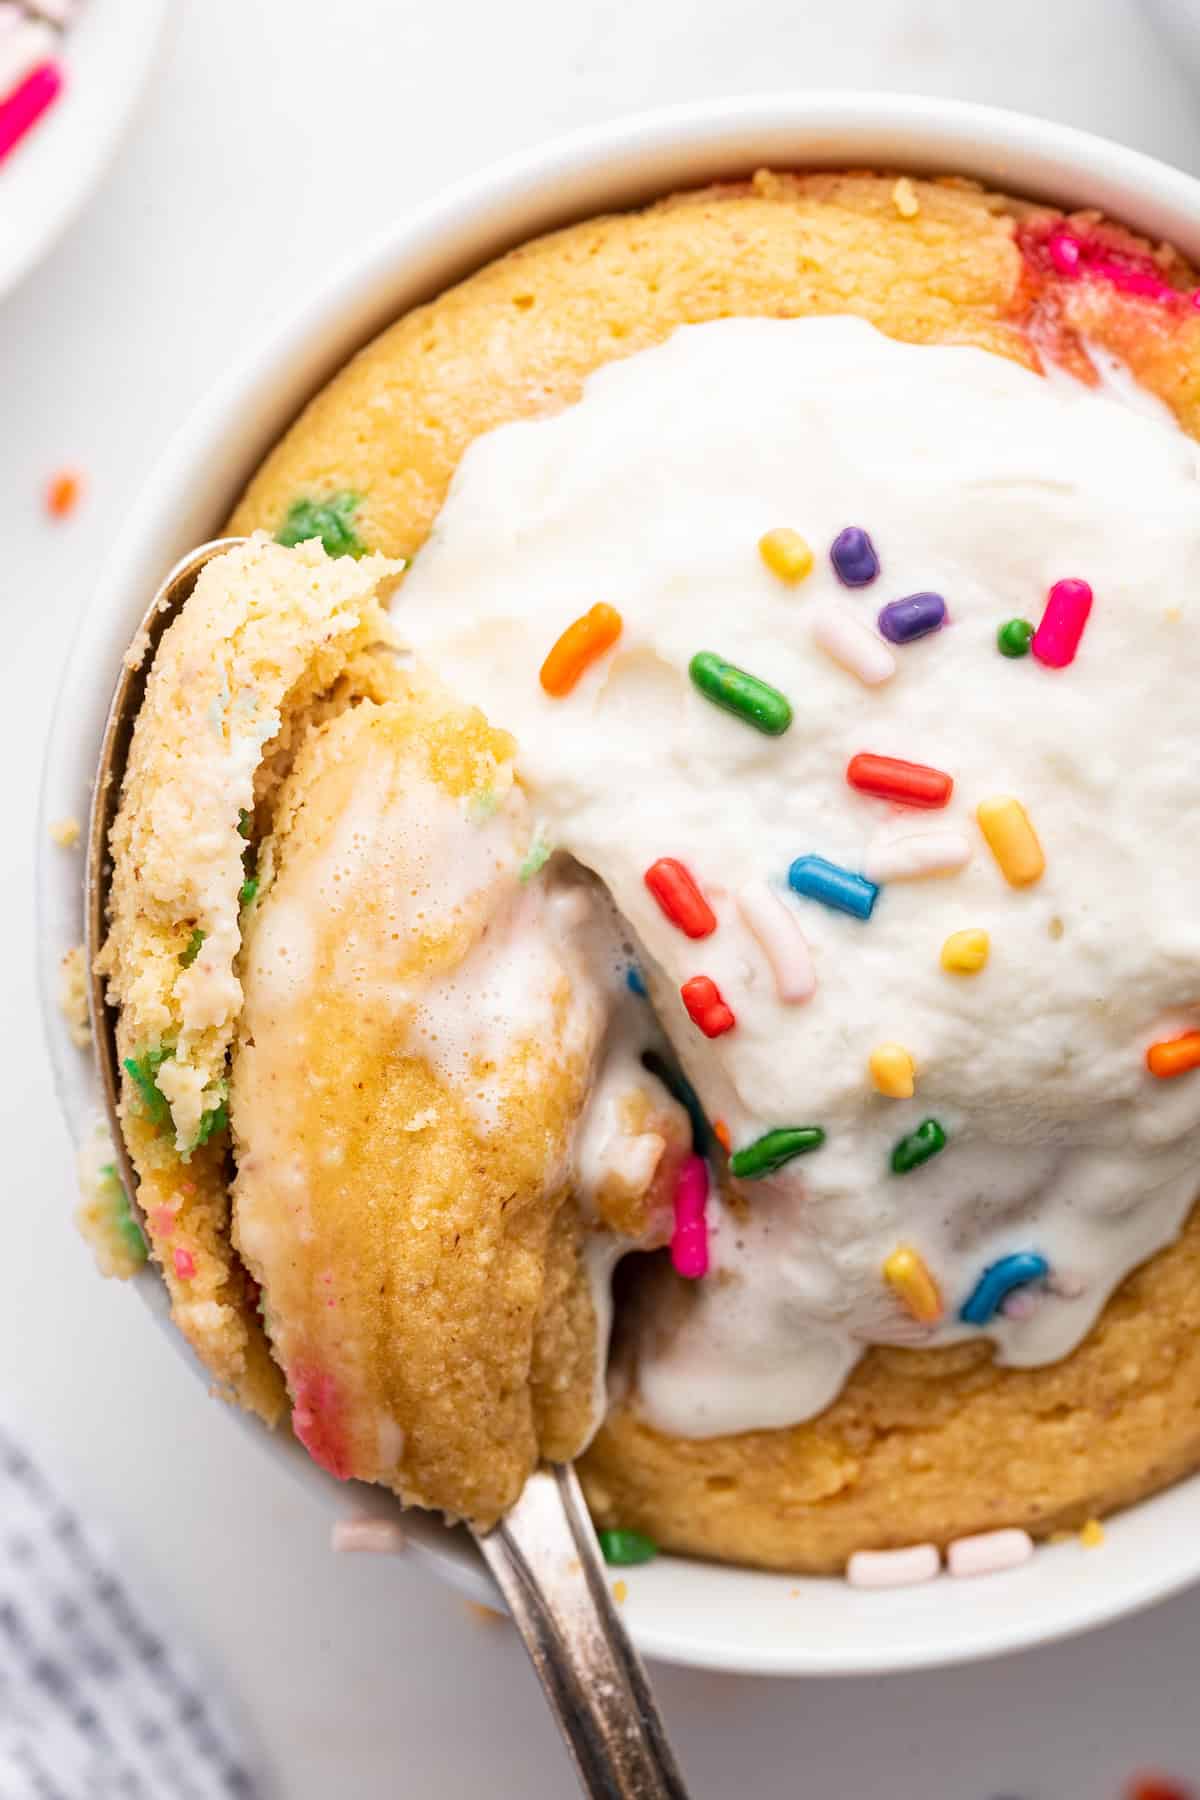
(65, 832)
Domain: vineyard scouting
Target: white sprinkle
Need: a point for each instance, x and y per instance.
(772, 922)
(915, 854)
(854, 646)
(989, 1552)
(893, 1568)
(381, 1535)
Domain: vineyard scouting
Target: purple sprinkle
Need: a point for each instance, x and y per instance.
(913, 617)
(853, 557)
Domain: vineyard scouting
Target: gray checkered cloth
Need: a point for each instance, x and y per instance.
(97, 1701)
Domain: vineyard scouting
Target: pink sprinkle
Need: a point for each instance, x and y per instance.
(185, 1264)
(1020, 1305)
(989, 1552)
(162, 1221)
(689, 1239)
(315, 1420)
(366, 1533)
(1057, 637)
(1065, 252)
(25, 106)
(893, 1568)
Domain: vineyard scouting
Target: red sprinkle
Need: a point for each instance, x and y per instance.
(185, 1264)
(62, 493)
(26, 104)
(702, 997)
(317, 1420)
(1057, 637)
(680, 899)
(911, 784)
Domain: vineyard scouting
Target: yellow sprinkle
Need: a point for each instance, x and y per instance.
(892, 1071)
(620, 1592)
(965, 952)
(786, 554)
(907, 1275)
(65, 833)
(904, 198)
(1012, 840)
(1092, 1535)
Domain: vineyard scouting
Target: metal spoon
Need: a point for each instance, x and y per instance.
(543, 1553)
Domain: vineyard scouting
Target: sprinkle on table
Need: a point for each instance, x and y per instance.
(624, 1549)
(907, 1274)
(772, 922)
(689, 1236)
(775, 1148)
(915, 616)
(853, 556)
(893, 1070)
(918, 1147)
(1174, 1056)
(855, 646)
(63, 492)
(705, 1006)
(833, 886)
(988, 1552)
(1056, 639)
(998, 1281)
(786, 554)
(583, 642)
(679, 898)
(906, 783)
(1014, 637)
(743, 695)
(966, 952)
(893, 1568)
(1012, 840)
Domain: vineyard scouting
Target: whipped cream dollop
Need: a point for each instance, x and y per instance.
(982, 482)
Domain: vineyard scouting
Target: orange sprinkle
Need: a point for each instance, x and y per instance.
(1174, 1056)
(620, 1592)
(580, 644)
(62, 493)
(721, 1133)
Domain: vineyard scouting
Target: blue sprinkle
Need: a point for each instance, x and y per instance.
(634, 982)
(998, 1281)
(853, 557)
(846, 892)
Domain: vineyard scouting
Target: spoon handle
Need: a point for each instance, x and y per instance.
(545, 1559)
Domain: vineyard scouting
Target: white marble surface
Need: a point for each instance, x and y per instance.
(278, 132)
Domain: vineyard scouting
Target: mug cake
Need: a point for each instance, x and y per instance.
(690, 772)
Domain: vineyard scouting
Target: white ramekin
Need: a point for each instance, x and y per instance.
(689, 1612)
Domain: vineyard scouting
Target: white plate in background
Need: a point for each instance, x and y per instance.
(107, 55)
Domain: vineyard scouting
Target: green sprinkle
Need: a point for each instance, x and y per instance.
(245, 821)
(773, 1149)
(1014, 637)
(187, 957)
(331, 520)
(248, 892)
(482, 807)
(142, 1070)
(918, 1147)
(743, 695)
(211, 1122)
(536, 858)
(622, 1549)
(123, 1222)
